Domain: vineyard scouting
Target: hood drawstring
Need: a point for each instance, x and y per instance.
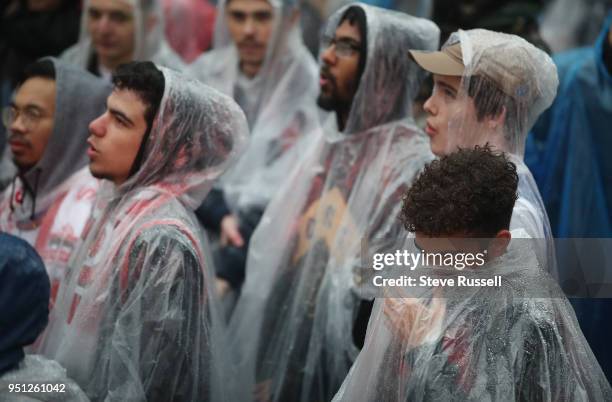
(13, 193)
(34, 193)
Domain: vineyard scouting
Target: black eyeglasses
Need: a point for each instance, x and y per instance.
(343, 47)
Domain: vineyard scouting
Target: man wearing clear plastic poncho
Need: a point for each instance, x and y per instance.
(114, 32)
(136, 319)
(294, 322)
(260, 60)
(51, 197)
(490, 87)
(517, 340)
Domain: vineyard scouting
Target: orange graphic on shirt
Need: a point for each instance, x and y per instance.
(322, 221)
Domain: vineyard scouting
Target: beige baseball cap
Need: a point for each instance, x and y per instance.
(448, 61)
(504, 66)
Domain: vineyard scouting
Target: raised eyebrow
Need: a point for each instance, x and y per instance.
(120, 115)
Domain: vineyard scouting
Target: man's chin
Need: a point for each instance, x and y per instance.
(98, 173)
(326, 103)
(22, 165)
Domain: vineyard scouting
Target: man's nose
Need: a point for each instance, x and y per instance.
(430, 107)
(329, 55)
(18, 126)
(98, 126)
(249, 27)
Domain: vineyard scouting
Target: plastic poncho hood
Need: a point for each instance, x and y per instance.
(137, 307)
(293, 322)
(379, 99)
(524, 80)
(80, 98)
(195, 136)
(149, 40)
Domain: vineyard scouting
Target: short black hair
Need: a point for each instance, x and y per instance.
(143, 78)
(356, 16)
(41, 68)
(470, 192)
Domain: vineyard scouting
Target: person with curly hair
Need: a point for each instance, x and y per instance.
(515, 341)
(490, 87)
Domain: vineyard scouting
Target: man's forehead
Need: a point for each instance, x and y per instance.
(35, 91)
(125, 6)
(348, 30)
(127, 102)
(449, 80)
(250, 6)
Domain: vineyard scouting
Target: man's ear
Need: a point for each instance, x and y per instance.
(496, 122)
(499, 244)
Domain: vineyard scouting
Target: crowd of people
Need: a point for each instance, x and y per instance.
(188, 200)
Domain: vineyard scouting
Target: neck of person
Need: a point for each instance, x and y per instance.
(112, 63)
(342, 118)
(250, 70)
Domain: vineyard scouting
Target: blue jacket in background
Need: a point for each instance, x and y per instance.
(569, 148)
(568, 152)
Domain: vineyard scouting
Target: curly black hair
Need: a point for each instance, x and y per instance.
(469, 192)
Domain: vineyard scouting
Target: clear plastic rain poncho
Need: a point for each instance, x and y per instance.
(136, 318)
(279, 102)
(292, 325)
(502, 69)
(517, 342)
(50, 204)
(149, 40)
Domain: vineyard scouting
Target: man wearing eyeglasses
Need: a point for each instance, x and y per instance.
(51, 197)
(299, 322)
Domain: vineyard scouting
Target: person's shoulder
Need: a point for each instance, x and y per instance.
(167, 232)
(39, 369)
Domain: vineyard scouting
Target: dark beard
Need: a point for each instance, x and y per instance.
(327, 103)
(333, 104)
